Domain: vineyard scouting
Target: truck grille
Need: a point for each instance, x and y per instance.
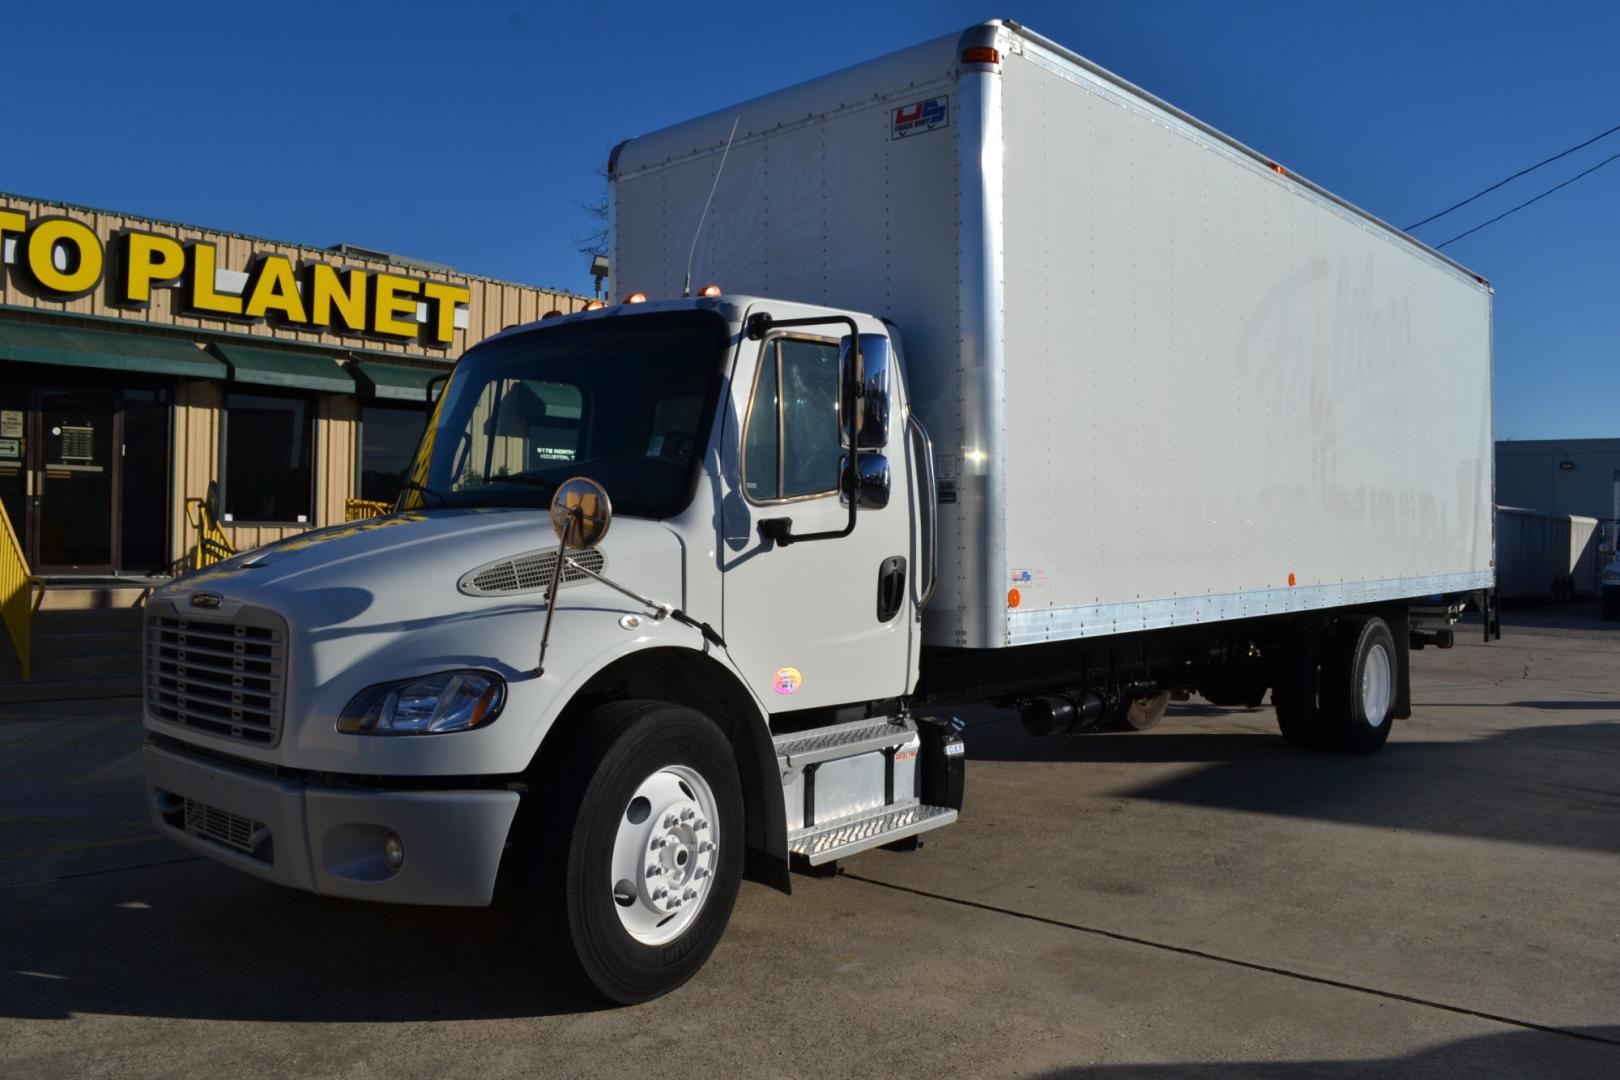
(222, 826)
(220, 677)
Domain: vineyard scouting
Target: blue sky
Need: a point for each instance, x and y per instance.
(471, 133)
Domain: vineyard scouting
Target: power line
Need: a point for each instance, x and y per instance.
(1527, 202)
(1515, 176)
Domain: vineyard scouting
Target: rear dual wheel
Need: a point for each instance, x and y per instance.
(1338, 692)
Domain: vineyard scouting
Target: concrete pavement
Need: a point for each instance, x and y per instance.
(1195, 900)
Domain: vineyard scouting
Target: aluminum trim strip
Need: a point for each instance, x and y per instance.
(981, 310)
(1098, 620)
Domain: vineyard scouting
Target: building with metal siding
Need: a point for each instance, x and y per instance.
(142, 361)
(1559, 476)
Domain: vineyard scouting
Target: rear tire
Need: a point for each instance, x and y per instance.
(1611, 607)
(1358, 685)
(623, 807)
(1142, 713)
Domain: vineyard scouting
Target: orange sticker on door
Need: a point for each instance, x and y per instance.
(787, 680)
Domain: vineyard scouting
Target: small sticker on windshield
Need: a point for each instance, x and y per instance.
(655, 446)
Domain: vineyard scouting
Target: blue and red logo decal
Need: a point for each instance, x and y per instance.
(919, 117)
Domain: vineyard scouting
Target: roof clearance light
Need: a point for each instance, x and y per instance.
(981, 54)
(594, 305)
(1276, 168)
(636, 298)
(710, 290)
(552, 314)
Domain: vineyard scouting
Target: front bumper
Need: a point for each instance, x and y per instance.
(329, 840)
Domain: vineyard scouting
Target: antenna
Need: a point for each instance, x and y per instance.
(686, 287)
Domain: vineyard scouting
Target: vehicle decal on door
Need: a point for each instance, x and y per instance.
(787, 680)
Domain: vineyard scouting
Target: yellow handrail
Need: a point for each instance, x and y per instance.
(212, 544)
(16, 585)
(360, 509)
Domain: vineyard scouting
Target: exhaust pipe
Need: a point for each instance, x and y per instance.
(1062, 714)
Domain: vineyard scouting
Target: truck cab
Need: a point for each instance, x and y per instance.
(716, 676)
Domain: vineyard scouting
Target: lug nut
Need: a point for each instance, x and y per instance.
(654, 871)
(687, 815)
(701, 872)
(658, 842)
(670, 821)
(705, 846)
(689, 894)
(700, 826)
(660, 893)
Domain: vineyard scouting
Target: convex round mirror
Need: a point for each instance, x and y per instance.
(584, 503)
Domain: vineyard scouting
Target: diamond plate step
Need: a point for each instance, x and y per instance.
(824, 843)
(845, 740)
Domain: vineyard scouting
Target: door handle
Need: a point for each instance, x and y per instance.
(891, 590)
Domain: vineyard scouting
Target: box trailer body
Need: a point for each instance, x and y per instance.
(1168, 382)
(1017, 387)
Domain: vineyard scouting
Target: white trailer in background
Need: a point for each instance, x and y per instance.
(1016, 386)
(1545, 556)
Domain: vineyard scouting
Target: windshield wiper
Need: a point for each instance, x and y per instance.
(413, 485)
(523, 478)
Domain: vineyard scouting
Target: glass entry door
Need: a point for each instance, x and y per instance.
(73, 465)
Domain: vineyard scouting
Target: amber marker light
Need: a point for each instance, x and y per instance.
(1290, 579)
(595, 305)
(981, 54)
(636, 298)
(710, 290)
(1013, 598)
(552, 314)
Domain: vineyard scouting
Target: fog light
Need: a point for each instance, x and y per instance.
(393, 851)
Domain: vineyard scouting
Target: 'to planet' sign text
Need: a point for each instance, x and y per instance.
(63, 259)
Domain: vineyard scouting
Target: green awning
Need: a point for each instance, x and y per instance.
(394, 382)
(131, 350)
(276, 367)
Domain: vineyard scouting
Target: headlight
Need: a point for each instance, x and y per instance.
(435, 704)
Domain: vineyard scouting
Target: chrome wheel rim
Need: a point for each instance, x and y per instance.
(665, 854)
(1376, 683)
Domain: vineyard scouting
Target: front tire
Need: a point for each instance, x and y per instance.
(629, 855)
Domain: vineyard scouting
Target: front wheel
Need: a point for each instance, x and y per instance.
(629, 857)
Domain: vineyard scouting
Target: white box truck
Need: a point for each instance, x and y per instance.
(1014, 385)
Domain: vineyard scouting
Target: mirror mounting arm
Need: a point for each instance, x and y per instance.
(780, 530)
(573, 519)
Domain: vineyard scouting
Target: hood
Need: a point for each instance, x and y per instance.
(409, 565)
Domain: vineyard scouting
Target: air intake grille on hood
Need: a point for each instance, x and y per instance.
(529, 572)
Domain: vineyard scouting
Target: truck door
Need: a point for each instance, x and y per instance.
(819, 622)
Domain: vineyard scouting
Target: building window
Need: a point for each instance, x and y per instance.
(792, 444)
(266, 471)
(388, 438)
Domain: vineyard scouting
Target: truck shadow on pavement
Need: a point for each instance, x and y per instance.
(195, 940)
(1587, 1052)
(1542, 784)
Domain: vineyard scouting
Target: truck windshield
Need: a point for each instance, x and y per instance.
(625, 401)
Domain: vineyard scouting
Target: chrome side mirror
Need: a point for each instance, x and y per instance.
(581, 513)
(871, 480)
(870, 423)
